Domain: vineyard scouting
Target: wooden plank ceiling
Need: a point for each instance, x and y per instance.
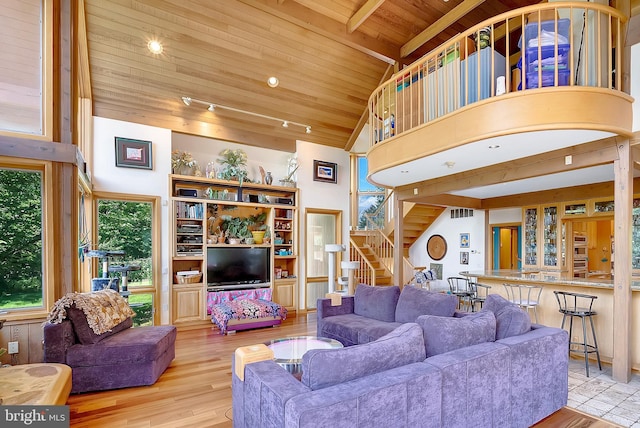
(329, 56)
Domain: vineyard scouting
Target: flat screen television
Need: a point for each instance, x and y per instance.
(232, 266)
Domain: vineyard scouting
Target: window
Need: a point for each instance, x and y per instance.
(370, 199)
(22, 241)
(322, 227)
(127, 223)
(25, 28)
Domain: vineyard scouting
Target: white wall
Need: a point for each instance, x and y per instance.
(506, 215)
(106, 177)
(314, 194)
(450, 229)
(205, 150)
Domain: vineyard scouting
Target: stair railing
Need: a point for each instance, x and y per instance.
(366, 273)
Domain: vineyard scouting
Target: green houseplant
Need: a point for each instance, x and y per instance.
(235, 228)
(258, 227)
(234, 165)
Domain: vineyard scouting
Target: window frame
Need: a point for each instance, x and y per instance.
(48, 291)
(46, 75)
(156, 245)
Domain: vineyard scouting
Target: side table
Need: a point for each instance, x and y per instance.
(36, 384)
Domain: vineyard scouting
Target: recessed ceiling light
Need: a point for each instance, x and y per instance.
(155, 47)
(494, 146)
(273, 81)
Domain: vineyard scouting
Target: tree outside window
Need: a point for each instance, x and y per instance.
(21, 240)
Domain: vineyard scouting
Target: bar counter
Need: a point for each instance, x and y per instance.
(549, 315)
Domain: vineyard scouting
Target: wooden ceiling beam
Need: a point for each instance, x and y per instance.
(362, 14)
(327, 27)
(584, 155)
(445, 200)
(439, 26)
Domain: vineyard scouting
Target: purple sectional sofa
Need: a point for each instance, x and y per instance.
(373, 312)
(120, 358)
(487, 369)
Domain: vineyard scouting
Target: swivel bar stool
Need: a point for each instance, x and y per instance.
(579, 305)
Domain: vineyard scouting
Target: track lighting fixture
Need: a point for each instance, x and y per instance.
(212, 107)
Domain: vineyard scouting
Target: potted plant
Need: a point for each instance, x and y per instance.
(236, 228)
(267, 235)
(234, 165)
(183, 163)
(257, 226)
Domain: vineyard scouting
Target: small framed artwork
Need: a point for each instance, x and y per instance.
(464, 257)
(437, 269)
(325, 171)
(464, 240)
(285, 274)
(133, 153)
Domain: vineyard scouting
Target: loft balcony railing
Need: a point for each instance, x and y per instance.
(547, 46)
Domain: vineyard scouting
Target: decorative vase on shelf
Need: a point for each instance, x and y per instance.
(268, 179)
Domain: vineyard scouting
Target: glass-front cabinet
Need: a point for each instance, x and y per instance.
(550, 236)
(530, 241)
(542, 237)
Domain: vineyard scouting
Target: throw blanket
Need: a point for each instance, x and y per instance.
(104, 309)
(245, 308)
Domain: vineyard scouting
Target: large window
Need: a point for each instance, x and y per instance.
(370, 198)
(126, 224)
(21, 239)
(25, 28)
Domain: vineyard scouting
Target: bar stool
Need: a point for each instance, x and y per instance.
(579, 305)
(525, 296)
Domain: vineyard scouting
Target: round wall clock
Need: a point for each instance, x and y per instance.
(436, 247)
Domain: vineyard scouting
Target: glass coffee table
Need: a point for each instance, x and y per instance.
(288, 351)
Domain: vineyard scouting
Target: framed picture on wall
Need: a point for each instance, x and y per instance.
(133, 153)
(464, 257)
(464, 240)
(437, 269)
(325, 171)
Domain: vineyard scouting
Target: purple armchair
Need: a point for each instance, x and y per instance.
(120, 358)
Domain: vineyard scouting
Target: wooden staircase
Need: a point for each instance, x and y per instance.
(417, 219)
(382, 275)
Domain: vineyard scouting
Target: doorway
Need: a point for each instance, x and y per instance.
(506, 247)
(322, 227)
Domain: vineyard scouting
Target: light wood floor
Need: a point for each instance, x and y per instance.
(195, 391)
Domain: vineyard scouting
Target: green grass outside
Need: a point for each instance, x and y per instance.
(21, 299)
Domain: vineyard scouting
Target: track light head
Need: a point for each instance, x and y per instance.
(308, 130)
(186, 101)
(211, 108)
(285, 124)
